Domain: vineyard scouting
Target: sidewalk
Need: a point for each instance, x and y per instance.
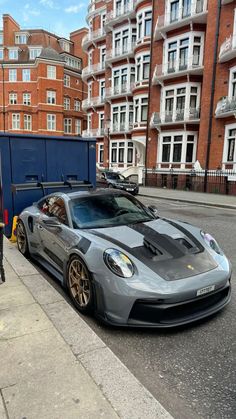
(216, 200)
(52, 365)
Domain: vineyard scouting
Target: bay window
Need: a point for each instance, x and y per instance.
(123, 40)
(142, 67)
(144, 24)
(183, 52)
(180, 102)
(140, 109)
(177, 147)
(122, 152)
(122, 117)
(122, 79)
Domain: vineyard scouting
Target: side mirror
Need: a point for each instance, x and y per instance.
(102, 176)
(153, 210)
(51, 222)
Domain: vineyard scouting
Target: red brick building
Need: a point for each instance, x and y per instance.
(180, 115)
(41, 88)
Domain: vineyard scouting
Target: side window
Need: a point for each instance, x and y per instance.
(54, 206)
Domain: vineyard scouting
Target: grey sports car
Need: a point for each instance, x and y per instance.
(120, 260)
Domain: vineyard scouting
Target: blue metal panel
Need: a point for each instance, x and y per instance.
(92, 162)
(6, 176)
(28, 162)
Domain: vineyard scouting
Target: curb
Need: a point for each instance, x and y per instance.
(127, 396)
(205, 204)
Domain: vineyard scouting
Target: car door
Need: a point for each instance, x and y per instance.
(56, 237)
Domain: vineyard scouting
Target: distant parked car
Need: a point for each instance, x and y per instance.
(117, 181)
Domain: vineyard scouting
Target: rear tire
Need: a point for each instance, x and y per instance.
(79, 285)
(22, 240)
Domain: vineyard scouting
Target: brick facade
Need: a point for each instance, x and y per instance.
(29, 93)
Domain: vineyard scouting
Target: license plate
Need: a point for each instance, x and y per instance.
(129, 189)
(205, 290)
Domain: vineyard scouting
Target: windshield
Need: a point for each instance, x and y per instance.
(115, 176)
(107, 210)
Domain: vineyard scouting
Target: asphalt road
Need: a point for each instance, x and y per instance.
(191, 370)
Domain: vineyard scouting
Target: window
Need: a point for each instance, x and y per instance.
(89, 121)
(13, 54)
(144, 24)
(103, 56)
(101, 122)
(54, 206)
(121, 116)
(122, 152)
(67, 103)
(103, 20)
(13, 98)
(181, 9)
(78, 127)
(51, 72)
(34, 53)
(100, 153)
(27, 122)
(77, 105)
(67, 126)
(140, 109)
(26, 98)
(230, 145)
(102, 89)
(1, 38)
(73, 62)
(65, 45)
(21, 38)
(123, 41)
(232, 83)
(13, 74)
(180, 102)
(122, 79)
(51, 122)
(143, 67)
(16, 121)
(177, 148)
(66, 80)
(26, 74)
(51, 97)
(1, 54)
(183, 52)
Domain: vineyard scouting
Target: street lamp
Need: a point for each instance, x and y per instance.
(108, 126)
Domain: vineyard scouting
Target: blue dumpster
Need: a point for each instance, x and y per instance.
(33, 158)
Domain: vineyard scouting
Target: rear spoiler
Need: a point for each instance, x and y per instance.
(72, 184)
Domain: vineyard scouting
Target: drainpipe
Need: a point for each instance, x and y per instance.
(3, 99)
(149, 93)
(212, 94)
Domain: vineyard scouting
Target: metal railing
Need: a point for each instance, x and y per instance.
(120, 51)
(120, 12)
(92, 69)
(100, 132)
(225, 105)
(177, 115)
(217, 181)
(122, 127)
(121, 89)
(93, 101)
(228, 45)
(176, 66)
(190, 11)
(93, 36)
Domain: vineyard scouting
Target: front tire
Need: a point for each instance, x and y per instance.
(22, 241)
(79, 285)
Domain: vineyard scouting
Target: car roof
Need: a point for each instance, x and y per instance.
(89, 192)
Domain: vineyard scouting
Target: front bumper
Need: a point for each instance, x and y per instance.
(164, 314)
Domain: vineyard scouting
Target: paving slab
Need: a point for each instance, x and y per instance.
(19, 263)
(14, 296)
(32, 355)
(18, 321)
(65, 393)
(42, 291)
(12, 279)
(126, 394)
(73, 328)
(2, 409)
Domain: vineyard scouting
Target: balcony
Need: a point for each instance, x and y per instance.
(121, 128)
(94, 133)
(226, 1)
(178, 116)
(94, 36)
(196, 13)
(177, 68)
(93, 102)
(119, 91)
(92, 70)
(228, 49)
(124, 51)
(118, 15)
(226, 107)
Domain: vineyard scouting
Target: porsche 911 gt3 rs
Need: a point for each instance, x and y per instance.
(120, 260)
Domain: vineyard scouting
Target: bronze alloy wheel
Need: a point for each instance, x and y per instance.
(79, 284)
(22, 242)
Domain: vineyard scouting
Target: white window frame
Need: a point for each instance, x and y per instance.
(34, 52)
(130, 75)
(67, 125)
(225, 148)
(66, 103)
(51, 97)
(100, 150)
(141, 19)
(16, 121)
(13, 54)
(121, 49)
(1, 54)
(117, 145)
(13, 75)
(117, 126)
(51, 72)
(66, 80)
(232, 70)
(21, 38)
(77, 105)
(26, 74)
(101, 122)
(175, 87)
(27, 122)
(12, 98)
(51, 122)
(139, 58)
(1, 38)
(78, 126)
(26, 99)
(172, 134)
(102, 55)
(138, 99)
(190, 60)
(89, 121)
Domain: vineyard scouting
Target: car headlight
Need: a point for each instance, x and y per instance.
(118, 263)
(211, 242)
